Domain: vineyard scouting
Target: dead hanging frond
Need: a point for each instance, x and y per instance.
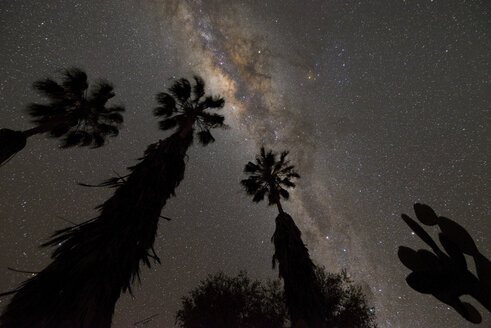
(154, 255)
(9, 292)
(111, 182)
(66, 220)
(22, 271)
(143, 322)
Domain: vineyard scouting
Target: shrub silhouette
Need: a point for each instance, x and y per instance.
(224, 301)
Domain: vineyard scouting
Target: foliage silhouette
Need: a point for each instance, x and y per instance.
(74, 111)
(345, 304)
(223, 301)
(445, 275)
(268, 176)
(95, 261)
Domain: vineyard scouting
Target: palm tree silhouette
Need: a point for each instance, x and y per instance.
(269, 176)
(75, 113)
(96, 260)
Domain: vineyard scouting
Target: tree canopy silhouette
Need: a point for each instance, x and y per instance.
(269, 176)
(446, 275)
(345, 304)
(77, 114)
(95, 261)
(224, 301)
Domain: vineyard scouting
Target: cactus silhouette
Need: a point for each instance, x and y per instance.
(446, 275)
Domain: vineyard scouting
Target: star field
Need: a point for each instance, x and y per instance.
(381, 103)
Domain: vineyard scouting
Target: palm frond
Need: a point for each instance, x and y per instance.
(250, 185)
(115, 117)
(116, 108)
(75, 81)
(98, 140)
(50, 89)
(293, 175)
(107, 129)
(283, 155)
(168, 124)
(205, 137)
(213, 102)
(287, 182)
(163, 111)
(198, 88)
(263, 152)
(41, 111)
(101, 93)
(87, 139)
(259, 194)
(284, 193)
(181, 89)
(73, 139)
(167, 105)
(287, 169)
(251, 168)
(270, 159)
(212, 120)
(59, 130)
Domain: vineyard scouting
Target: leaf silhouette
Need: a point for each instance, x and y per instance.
(458, 235)
(425, 214)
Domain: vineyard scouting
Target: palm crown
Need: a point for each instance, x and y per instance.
(185, 105)
(74, 111)
(269, 176)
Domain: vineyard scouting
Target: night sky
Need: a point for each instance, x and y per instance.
(381, 103)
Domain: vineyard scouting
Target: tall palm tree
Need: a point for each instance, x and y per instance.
(74, 112)
(97, 260)
(269, 176)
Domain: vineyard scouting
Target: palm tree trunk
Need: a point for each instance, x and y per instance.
(98, 259)
(302, 291)
(47, 126)
(278, 205)
(11, 142)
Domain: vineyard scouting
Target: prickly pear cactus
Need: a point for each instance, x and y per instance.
(444, 273)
